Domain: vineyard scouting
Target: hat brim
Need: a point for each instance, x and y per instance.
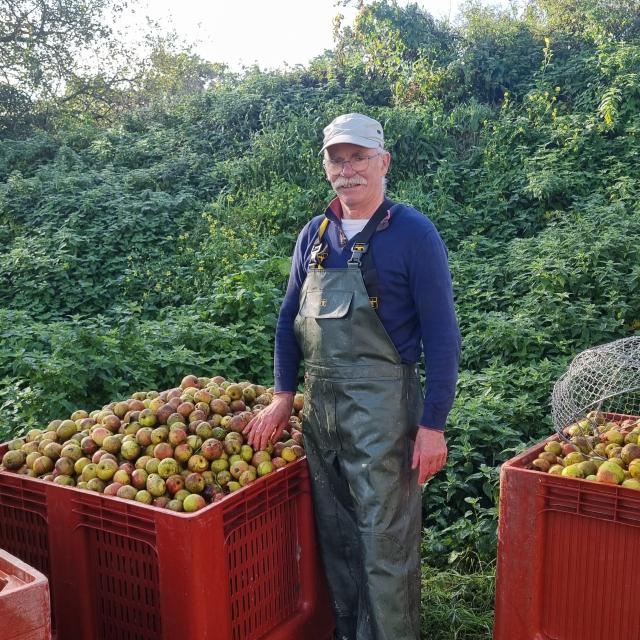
(350, 139)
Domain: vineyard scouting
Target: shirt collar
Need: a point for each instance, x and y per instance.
(334, 213)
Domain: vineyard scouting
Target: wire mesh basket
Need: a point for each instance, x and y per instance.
(601, 386)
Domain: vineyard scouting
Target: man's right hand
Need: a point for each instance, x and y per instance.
(268, 425)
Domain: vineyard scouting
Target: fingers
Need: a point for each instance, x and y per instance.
(263, 439)
(416, 459)
(261, 430)
(249, 427)
(426, 469)
(428, 464)
(254, 430)
(421, 462)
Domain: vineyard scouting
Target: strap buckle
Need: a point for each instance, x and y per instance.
(319, 251)
(317, 256)
(359, 249)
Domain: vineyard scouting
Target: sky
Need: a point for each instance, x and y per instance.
(271, 33)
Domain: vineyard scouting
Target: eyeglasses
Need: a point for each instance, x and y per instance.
(357, 163)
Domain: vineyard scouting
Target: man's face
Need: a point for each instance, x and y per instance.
(359, 187)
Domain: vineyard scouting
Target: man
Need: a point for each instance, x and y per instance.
(369, 285)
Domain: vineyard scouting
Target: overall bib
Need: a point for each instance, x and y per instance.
(361, 410)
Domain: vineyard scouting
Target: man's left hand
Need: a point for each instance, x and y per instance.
(429, 453)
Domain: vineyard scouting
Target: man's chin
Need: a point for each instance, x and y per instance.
(347, 196)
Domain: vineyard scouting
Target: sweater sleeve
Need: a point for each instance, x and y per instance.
(432, 291)
(287, 356)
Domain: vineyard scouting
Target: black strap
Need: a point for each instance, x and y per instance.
(361, 240)
(362, 257)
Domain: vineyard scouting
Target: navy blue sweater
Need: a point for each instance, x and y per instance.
(414, 286)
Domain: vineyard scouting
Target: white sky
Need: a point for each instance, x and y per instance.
(271, 33)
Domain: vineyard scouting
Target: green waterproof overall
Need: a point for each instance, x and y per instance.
(361, 410)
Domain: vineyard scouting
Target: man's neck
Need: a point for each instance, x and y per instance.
(360, 213)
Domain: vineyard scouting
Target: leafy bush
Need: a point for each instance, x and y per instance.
(50, 369)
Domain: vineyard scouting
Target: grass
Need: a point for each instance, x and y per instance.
(457, 606)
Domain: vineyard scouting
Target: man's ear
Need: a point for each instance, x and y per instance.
(386, 161)
(324, 168)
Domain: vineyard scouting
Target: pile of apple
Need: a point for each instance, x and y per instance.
(597, 449)
(178, 449)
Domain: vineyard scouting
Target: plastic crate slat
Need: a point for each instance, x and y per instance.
(17, 493)
(119, 521)
(126, 586)
(609, 507)
(23, 533)
(263, 587)
(281, 486)
(580, 557)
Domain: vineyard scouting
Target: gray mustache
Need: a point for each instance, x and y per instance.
(348, 182)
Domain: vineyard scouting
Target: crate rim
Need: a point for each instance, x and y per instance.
(225, 501)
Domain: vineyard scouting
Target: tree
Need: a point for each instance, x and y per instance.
(172, 72)
(618, 17)
(44, 48)
(387, 44)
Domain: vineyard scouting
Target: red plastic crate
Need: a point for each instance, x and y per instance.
(24, 601)
(567, 556)
(244, 568)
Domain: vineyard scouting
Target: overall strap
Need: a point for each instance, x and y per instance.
(362, 258)
(319, 250)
